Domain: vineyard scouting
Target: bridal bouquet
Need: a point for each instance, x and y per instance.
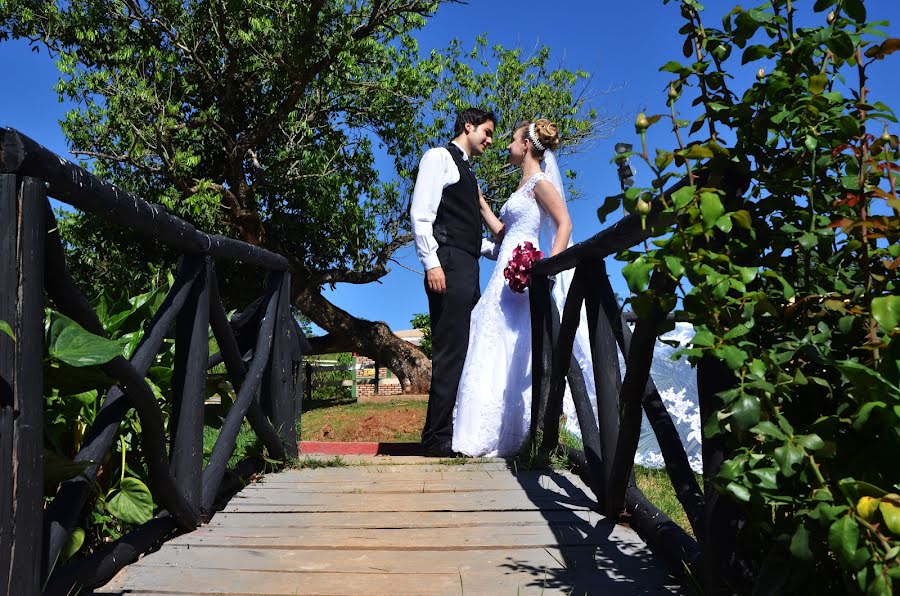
(518, 270)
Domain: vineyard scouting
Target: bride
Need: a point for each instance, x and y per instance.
(493, 404)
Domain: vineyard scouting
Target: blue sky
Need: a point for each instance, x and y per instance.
(622, 44)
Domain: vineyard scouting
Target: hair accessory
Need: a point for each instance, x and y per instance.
(532, 134)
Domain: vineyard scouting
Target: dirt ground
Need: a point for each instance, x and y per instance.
(388, 422)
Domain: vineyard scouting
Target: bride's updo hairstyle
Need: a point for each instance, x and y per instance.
(543, 135)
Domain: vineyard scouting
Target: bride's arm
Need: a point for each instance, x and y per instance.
(494, 225)
(553, 204)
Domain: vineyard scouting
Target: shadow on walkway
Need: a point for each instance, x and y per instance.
(598, 557)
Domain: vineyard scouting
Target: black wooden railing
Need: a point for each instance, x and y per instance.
(610, 443)
(32, 263)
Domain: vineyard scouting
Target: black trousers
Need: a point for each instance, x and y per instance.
(450, 315)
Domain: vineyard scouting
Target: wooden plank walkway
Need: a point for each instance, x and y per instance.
(416, 528)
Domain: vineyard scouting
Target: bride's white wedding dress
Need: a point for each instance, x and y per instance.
(492, 415)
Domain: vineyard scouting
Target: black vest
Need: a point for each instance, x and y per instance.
(458, 220)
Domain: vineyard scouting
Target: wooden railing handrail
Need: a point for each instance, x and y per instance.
(72, 184)
(33, 264)
(610, 442)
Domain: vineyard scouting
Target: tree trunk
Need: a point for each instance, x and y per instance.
(374, 339)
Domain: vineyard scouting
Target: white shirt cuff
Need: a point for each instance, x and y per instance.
(431, 261)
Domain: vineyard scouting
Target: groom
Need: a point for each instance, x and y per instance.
(446, 224)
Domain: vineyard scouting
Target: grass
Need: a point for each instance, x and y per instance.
(462, 461)
(313, 463)
(246, 444)
(655, 484)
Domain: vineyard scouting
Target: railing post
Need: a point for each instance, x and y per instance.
(542, 338)
(189, 387)
(634, 387)
(562, 357)
(607, 376)
(281, 379)
(22, 231)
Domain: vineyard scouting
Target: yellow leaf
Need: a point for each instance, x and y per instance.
(867, 506)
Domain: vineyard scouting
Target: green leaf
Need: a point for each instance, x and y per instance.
(812, 442)
(745, 411)
(58, 468)
(676, 268)
(786, 289)
(865, 380)
(609, 205)
(73, 544)
(768, 429)
(133, 503)
(800, 544)
(788, 456)
(742, 218)
(674, 67)
(683, 196)
(808, 240)
(886, 311)
(703, 337)
(854, 489)
(724, 223)
(841, 44)
(817, 83)
(755, 52)
(72, 344)
(739, 492)
(856, 10)
(843, 536)
(696, 152)
(757, 368)
(710, 209)
(663, 158)
(891, 515)
(5, 328)
(733, 356)
(865, 412)
(637, 274)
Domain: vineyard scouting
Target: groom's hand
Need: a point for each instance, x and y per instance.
(437, 283)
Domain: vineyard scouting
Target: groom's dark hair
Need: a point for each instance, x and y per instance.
(472, 116)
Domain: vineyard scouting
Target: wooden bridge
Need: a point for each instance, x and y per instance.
(379, 528)
(404, 525)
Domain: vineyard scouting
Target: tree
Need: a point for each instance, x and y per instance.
(784, 251)
(262, 120)
(423, 321)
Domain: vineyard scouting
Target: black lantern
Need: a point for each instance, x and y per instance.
(625, 170)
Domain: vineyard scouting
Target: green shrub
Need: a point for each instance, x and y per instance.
(793, 284)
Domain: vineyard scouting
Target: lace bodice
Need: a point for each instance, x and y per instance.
(523, 218)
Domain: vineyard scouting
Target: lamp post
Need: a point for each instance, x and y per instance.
(625, 170)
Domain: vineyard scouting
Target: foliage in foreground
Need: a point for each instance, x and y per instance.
(792, 286)
(75, 387)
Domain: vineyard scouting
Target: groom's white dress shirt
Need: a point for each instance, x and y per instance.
(437, 171)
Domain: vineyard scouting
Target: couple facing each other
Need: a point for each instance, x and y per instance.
(480, 398)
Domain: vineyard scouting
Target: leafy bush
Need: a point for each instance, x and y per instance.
(75, 386)
(423, 321)
(792, 285)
